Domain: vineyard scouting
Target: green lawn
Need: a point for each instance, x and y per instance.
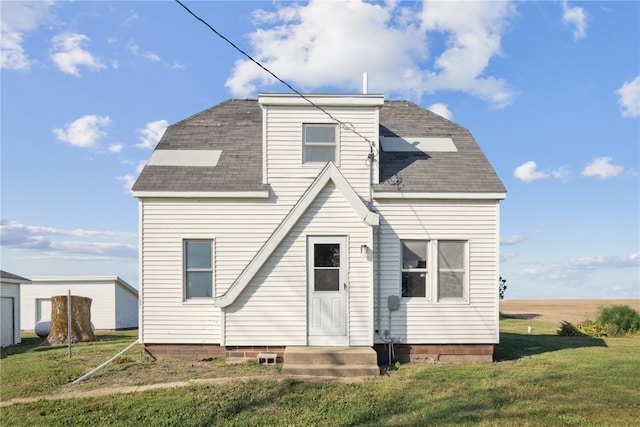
(540, 379)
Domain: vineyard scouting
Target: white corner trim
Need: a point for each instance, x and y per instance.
(259, 194)
(330, 172)
(381, 195)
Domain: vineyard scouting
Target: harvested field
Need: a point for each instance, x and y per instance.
(563, 309)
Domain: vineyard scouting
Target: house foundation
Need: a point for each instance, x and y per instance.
(434, 354)
(210, 351)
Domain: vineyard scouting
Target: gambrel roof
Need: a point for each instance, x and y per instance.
(425, 153)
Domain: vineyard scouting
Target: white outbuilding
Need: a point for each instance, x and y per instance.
(10, 307)
(114, 302)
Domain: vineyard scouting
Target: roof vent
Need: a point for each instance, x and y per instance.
(365, 83)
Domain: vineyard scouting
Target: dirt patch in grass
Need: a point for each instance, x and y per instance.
(563, 309)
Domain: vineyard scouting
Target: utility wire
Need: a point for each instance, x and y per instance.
(345, 125)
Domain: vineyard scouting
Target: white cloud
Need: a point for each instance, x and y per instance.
(512, 239)
(115, 148)
(130, 178)
(135, 49)
(629, 100)
(18, 19)
(527, 172)
(577, 17)
(85, 131)
(151, 134)
(441, 109)
(69, 54)
(105, 244)
(602, 168)
(321, 43)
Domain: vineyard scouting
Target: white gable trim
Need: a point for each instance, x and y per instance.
(380, 195)
(258, 194)
(330, 172)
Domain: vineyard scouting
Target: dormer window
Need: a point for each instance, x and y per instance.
(319, 143)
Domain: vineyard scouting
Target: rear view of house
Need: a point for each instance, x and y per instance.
(326, 221)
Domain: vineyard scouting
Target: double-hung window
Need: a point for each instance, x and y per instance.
(319, 143)
(436, 270)
(414, 268)
(198, 269)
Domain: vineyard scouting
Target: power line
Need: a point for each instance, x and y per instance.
(345, 125)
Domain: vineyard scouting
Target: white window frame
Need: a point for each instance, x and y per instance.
(335, 145)
(432, 271)
(426, 270)
(185, 270)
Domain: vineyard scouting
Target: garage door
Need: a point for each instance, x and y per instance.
(6, 321)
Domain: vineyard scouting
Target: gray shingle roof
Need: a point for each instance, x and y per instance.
(466, 170)
(235, 128)
(13, 277)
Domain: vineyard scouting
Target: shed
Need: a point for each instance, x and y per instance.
(10, 308)
(114, 302)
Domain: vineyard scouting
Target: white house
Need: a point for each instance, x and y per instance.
(323, 220)
(10, 308)
(114, 302)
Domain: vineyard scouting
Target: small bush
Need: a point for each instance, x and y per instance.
(569, 330)
(593, 329)
(619, 319)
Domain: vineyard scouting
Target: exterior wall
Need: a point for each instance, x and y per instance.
(126, 308)
(285, 171)
(238, 228)
(101, 291)
(272, 310)
(418, 321)
(12, 290)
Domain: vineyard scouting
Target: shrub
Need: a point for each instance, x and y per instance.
(619, 319)
(593, 329)
(569, 330)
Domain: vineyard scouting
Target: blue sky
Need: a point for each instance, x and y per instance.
(550, 89)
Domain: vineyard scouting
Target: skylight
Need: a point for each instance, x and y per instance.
(417, 145)
(185, 158)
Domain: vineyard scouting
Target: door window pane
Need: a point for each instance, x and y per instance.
(326, 255)
(327, 279)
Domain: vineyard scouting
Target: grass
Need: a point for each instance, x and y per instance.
(540, 379)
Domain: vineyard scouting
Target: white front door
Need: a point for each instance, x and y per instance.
(327, 274)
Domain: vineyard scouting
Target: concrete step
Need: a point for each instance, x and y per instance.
(330, 361)
(331, 370)
(330, 355)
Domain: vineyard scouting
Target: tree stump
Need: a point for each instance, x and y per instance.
(80, 320)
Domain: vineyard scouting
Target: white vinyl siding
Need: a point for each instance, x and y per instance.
(107, 310)
(11, 292)
(285, 170)
(272, 310)
(419, 320)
